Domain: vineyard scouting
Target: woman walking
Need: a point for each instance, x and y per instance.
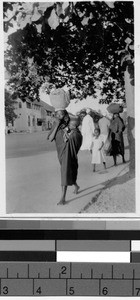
(68, 141)
(117, 143)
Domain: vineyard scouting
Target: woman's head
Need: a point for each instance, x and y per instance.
(82, 115)
(97, 132)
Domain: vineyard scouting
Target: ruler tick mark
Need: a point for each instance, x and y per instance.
(49, 273)
(66, 286)
(28, 270)
(70, 270)
(33, 286)
(133, 274)
(112, 271)
(99, 287)
(133, 282)
(7, 273)
(38, 275)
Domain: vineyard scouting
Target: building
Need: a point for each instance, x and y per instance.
(47, 113)
(32, 116)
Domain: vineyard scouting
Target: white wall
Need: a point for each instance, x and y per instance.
(21, 122)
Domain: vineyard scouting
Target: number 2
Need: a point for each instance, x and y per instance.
(63, 270)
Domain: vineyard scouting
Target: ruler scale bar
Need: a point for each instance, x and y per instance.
(70, 287)
(69, 279)
(69, 270)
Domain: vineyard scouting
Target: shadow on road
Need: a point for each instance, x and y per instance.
(77, 198)
(118, 180)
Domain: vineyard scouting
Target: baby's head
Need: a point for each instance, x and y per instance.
(74, 123)
(115, 115)
(97, 132)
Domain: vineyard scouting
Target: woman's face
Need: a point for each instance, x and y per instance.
(60, 114)
(82, 116)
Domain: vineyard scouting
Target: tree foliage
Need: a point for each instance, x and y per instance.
(10, 115)
(79, 44)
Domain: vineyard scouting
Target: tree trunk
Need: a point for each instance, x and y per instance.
(129, 93)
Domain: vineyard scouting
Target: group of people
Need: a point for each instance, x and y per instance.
(104, 138)
(69, 140)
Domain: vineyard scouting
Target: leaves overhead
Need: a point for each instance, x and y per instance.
(79, 44)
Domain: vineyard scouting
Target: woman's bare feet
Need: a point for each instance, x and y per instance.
(62, 201)
(77, 187)
(104, 165)
(94, 169)
(63, 197)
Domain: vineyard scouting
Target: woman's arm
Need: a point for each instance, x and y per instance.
(52, 132)
(101, 146)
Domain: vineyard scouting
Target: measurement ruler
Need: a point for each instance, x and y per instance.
(69, 279)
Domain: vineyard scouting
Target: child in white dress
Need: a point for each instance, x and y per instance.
(97, 149)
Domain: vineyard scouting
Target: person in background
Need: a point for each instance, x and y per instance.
(87, 131)
(104, 124)
(68, 141)
(97, 149)
(117, 143)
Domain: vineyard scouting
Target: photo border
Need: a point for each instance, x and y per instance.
(78, 217)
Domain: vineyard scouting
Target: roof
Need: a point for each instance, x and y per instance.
(46, 106)
(36, 103)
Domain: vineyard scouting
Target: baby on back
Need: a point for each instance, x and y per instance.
(72, 126)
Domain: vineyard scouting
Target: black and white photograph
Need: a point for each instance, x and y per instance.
(69, 107)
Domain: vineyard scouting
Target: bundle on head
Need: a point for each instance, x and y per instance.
(59, 98)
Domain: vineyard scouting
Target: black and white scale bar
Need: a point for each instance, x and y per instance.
(69, 234)
(135, 257)
(36, 256)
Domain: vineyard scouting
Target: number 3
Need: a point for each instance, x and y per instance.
(5, 290)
